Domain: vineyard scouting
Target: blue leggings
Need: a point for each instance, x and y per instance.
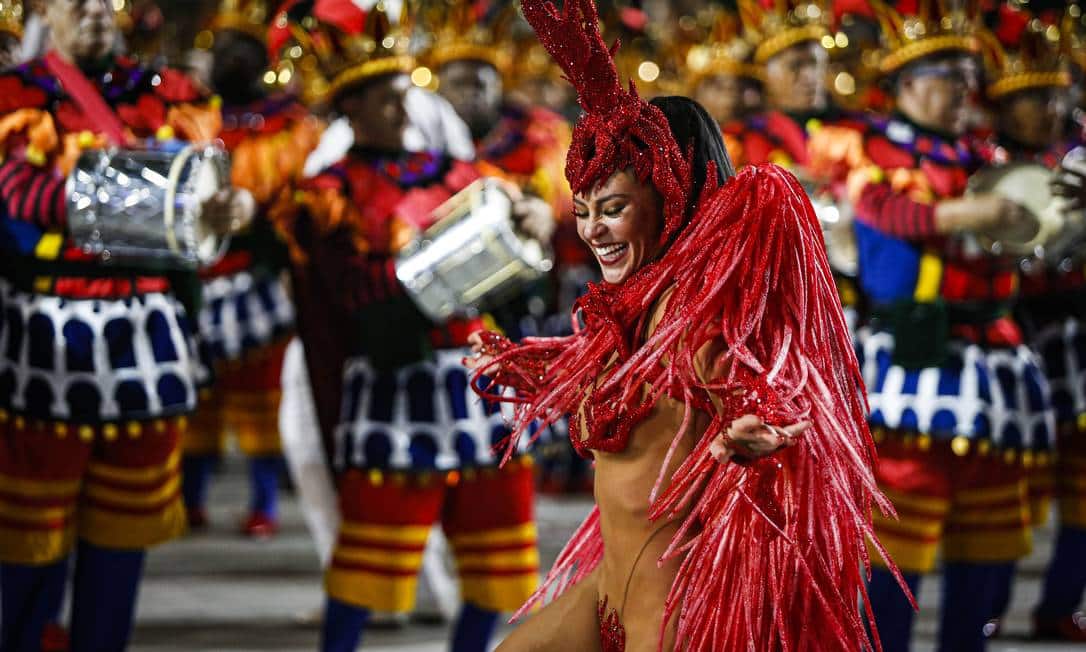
(344, 624)
(1065, 580)
(104, 592)
(967, 603)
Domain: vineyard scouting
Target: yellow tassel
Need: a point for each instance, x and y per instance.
(35, 156)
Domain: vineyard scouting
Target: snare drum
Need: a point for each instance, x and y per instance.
(143, 208)
(472, 258)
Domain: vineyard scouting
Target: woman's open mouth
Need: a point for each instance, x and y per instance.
(609, 254)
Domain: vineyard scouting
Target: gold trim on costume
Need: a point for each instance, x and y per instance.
(918, 49)
(1023, 81)
(368, 70)
(786, 39)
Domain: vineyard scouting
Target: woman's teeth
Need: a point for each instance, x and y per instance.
(610, 253)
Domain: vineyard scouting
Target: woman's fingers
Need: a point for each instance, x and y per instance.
(749, 435)
(746, 423)
(796, 429)
(719, 449)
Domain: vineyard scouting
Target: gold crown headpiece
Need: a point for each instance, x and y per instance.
(245, 16)
(1025, 53)
(459, 32)
(925, 28)
(337, 47)
(11, 17)
(725, 51)
(782, 24)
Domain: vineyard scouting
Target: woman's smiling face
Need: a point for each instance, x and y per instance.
(620, 220)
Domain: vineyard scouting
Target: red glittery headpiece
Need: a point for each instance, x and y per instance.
(618, 129)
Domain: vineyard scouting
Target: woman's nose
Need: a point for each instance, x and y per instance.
(593, 229)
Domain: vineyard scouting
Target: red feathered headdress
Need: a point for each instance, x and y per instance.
(618, 129)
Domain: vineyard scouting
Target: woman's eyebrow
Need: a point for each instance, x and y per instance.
(614, 195)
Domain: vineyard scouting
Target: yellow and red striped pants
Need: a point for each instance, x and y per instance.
(972, 503)
(487, 515)
(243, 402)
(113, 485)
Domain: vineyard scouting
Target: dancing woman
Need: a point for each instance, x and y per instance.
(711, 378)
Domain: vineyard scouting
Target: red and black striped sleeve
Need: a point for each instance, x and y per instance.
(376, 279)
(32, 194)
(895, 214)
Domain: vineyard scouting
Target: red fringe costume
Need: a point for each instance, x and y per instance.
(772, 552)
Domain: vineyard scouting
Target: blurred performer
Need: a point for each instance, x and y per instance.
(1029, 90)
(410, 444)
(246, 317)
(854, 58)
(525, 145)
(535, 80)
(800, 129)
(11, 32)
(141, 24)
(957, 402)
(97, 372)
(720, 76)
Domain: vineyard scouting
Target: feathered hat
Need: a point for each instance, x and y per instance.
(468, 31)
(333, 45)
(1023, 52)
(11, 17)
(921, 28)
(246, 16)
(776, 25)
(725, 51)
(618, 129)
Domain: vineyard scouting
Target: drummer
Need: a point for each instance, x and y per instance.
(721, 77)
(1028, 88)
(957, 402)
(525, 145)
(411, 445)
(96, 376)
(800, 128)
(246, 316)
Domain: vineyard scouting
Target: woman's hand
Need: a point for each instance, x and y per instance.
(478, 359)
(750, 437)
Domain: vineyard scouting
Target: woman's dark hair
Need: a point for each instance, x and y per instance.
(696, 131)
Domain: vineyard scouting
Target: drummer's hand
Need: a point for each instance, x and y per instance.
(1070, 182)
(532, 215)
(477, 359)
(979, 214)
(750, 437)
(230, 210)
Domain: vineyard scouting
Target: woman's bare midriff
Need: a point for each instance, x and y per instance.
(630, 578)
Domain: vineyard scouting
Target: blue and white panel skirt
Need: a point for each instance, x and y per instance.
(997, 394)
(242, 312)
(1062, 347)
(423, 416)
(95, 360)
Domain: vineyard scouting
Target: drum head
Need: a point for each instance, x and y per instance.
(207, 177)
(1026, 184)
